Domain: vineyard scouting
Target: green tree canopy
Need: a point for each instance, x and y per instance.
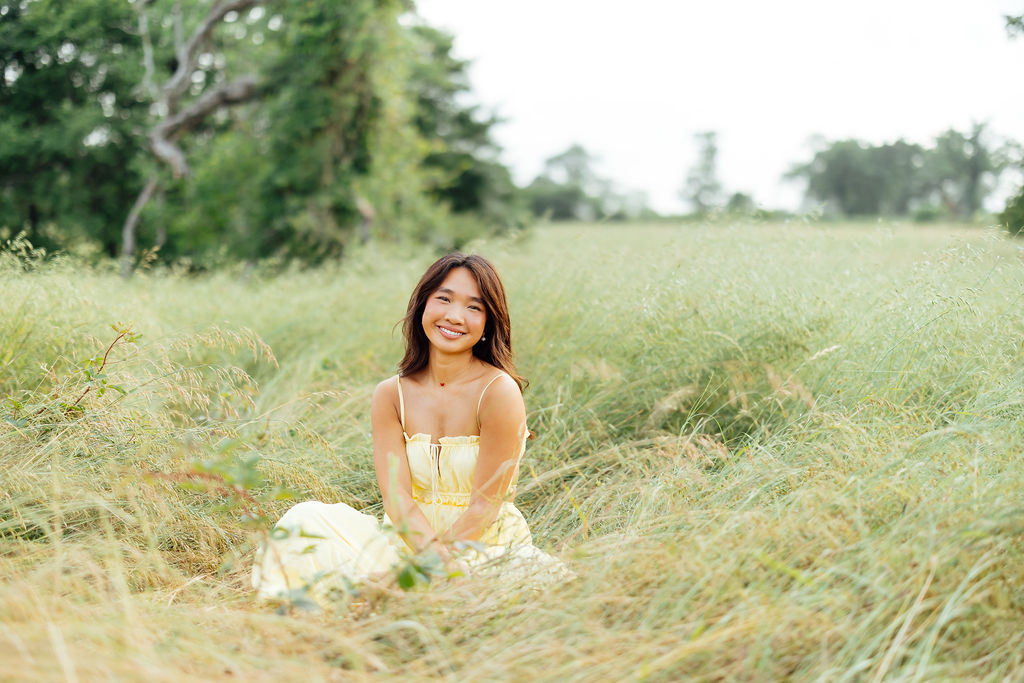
(853, 178)
(466, 173)
(69, 106)
(250, 128)
(568, 188)
(961, 169)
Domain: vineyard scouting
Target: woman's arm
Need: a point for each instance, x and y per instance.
(393, 476)
(502, 425)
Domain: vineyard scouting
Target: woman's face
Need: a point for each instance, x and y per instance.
(454, 318)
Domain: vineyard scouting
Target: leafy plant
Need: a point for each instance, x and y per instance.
(1012, 216)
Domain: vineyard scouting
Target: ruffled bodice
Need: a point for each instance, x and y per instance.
(442, 472)
(442, 482)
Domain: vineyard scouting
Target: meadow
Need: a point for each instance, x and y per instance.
(769, 451)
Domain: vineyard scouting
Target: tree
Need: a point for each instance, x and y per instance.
(857, 179)
(740, 202)
(573, 167)
(896, 167)
(68, 111)
(558, 202)
(327, 155)
(1013, 215)
(961, 170)
(174, 116)
(568, 188)
(360, 133)
(328, 128)
(893, 179)
(703, 189)
(253, 128)
(463, 156)
(1014, 24)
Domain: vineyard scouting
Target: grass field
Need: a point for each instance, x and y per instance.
(768, 451)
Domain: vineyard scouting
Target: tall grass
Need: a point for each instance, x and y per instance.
(767, 451)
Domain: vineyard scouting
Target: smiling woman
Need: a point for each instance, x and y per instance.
(455, 312)
(449, 431)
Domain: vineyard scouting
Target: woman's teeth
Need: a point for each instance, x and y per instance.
(451, 334)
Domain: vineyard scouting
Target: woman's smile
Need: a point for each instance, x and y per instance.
(450, 333)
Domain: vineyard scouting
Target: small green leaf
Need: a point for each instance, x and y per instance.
(407, 577)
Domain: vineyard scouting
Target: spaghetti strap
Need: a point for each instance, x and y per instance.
(480, 402)
(401, 402)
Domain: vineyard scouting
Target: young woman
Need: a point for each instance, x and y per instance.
(448, 434)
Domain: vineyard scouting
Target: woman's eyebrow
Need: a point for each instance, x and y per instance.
(445, 290)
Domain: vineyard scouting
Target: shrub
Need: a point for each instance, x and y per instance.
(1013, 215)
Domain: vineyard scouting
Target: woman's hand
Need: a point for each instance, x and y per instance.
(452, 559)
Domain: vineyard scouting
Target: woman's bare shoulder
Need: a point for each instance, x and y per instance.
(386, 390)
(501, 391)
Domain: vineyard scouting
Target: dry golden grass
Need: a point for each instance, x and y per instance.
(769, 452)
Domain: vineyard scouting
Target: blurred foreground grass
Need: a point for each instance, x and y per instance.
(768, 452)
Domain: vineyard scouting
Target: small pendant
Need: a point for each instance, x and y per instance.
(442, 384)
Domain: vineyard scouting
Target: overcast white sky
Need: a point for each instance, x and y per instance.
(633, 81)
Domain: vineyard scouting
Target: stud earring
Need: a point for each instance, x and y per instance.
(484, 338)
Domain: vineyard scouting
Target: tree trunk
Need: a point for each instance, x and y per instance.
(161, 227)
(366, 218)
(130, 226)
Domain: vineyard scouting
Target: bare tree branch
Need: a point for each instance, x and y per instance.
(179, 28)
(188, 54)
(162, 137)
(147, 51)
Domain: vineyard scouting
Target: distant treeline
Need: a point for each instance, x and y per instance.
(252, 129)
(949, 179)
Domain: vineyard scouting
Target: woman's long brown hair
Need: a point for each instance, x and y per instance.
(496, 349)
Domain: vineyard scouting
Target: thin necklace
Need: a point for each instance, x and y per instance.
(444, 383)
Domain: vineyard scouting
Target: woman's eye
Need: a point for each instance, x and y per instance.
(475, 308)
(443, 298)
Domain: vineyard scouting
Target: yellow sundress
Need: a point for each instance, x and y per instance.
(321, 545)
